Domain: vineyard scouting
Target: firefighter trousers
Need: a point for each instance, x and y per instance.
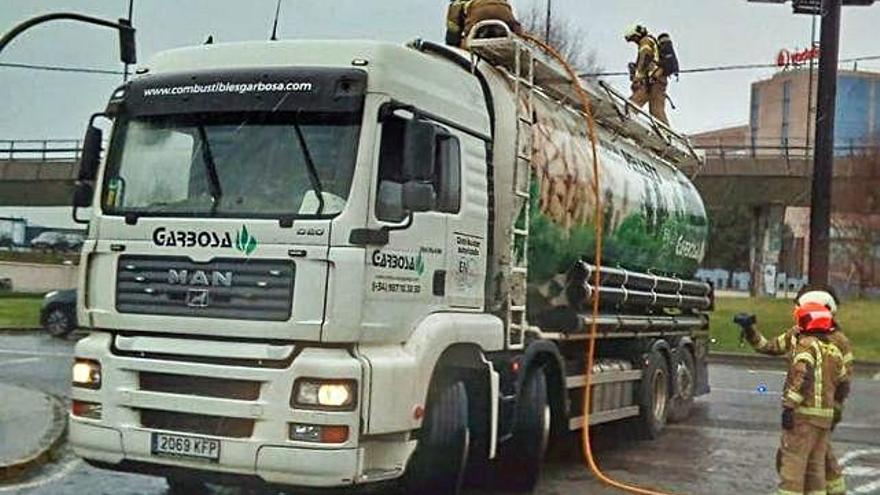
(835, 483)
(654, 94)
(801, 459)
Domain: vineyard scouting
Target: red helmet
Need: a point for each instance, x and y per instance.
(814, 318)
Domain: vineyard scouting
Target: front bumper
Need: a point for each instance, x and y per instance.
(112, 448)
(121, 438)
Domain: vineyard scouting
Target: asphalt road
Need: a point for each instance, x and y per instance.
(726, 447)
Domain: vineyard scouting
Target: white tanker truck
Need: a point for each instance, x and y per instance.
(324, 264)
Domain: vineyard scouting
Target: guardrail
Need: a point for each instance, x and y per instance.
(779, 148)
(45, 150)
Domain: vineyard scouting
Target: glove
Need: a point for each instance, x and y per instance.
(838, 415)
(745, 320)
(787, 418)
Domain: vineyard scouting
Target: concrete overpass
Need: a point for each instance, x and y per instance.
(38, 172)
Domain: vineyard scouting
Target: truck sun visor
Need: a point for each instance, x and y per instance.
(265, 90)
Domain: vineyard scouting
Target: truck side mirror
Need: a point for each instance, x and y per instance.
(83, 194)
(91, 154)
(419, 144)
(418, 196)
(127, 46)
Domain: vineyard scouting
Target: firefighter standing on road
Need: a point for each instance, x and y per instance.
(784, 343)
(820, 369)
(463, 15)
(648, 78)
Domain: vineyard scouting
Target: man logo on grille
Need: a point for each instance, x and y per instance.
(197, 298)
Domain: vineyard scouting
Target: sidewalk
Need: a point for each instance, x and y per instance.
(32, 425)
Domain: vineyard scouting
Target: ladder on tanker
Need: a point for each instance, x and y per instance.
(518, 264)
(611, 109)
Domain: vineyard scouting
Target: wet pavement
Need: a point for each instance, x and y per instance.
(727, 447)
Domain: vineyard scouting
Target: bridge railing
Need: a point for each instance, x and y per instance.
(43, 150)
(780, 148)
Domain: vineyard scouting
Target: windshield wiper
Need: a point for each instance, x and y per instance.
(310, 166)
(211, 168)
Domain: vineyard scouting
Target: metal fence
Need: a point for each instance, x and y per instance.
(45, 150)
(778, 147)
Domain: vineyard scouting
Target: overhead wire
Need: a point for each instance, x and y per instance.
(724, 68)
(58, 68)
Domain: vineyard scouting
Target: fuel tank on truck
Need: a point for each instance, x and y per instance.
(654, 220)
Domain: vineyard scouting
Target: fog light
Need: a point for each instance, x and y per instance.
(87, 373)
(90, 410)
(319, 433)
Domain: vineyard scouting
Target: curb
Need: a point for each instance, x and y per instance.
(51, 442)
(15, 330)
(866, 368)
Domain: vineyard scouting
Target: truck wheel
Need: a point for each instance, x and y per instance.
(521, 462)
(438, 464)
(185, 486)
(653, 396)
(684, 377)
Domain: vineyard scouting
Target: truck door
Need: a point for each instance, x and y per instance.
(405, 278)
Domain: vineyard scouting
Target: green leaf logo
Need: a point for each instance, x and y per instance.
(420, 265)
(245, 242)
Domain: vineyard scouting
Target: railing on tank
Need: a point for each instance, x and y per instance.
(40, 150)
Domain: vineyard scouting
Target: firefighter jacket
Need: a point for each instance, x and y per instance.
(784, 344)
(648, 61)
(815, 372)
(463, 15)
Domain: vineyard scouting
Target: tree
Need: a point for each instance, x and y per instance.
(566, 37)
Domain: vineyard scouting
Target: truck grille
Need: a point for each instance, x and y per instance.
(220, 426)
(199, 385)
(222, 288)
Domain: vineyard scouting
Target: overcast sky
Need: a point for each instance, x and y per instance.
(40, 105)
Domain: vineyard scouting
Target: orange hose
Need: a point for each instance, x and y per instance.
(599, 221)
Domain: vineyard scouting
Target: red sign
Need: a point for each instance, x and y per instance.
(787, 59)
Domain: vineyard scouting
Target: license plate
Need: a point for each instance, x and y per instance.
(185, 446)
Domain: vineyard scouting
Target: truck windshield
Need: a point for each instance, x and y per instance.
(255, 165)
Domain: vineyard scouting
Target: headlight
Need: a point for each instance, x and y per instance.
(340, 395)
(87, 374)
(51, 294)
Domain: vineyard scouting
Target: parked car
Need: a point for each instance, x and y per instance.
(73, 242)
(49, 240)
(58, 313)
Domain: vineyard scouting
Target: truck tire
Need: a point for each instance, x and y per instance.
(438, 464)
(653, 396)
(521, 461)
(684, 383)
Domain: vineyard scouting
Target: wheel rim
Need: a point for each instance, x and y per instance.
(545, 433)
(56, 322)
(660, 387)
(685, 381)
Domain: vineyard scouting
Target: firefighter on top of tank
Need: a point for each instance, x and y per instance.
(817, 384)
(463, 15)
(650, 72)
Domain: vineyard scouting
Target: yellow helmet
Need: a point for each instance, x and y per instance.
(636, 31)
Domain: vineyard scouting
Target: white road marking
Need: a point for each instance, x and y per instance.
(861, 471)
(855, 454)
(63, 471)
(872, 487)
(20, 352)
(19, 361)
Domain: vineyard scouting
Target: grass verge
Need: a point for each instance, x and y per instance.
(20, 311)
(858, 319)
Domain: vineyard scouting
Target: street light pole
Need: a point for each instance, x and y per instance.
(126, 32)
(547, 21)
(823, 157)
